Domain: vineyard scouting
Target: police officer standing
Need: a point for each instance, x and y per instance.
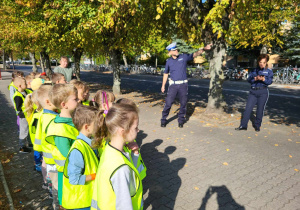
(178, 84)
(260, 79)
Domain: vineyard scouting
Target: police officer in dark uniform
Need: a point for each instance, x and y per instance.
(260, 79)
(178, 84)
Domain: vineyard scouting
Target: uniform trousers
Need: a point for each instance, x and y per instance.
(182, 91)
(256, 97)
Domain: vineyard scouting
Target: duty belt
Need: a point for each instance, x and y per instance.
(171, 82)
(258, 88)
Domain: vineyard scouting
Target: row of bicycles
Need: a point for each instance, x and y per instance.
(287, 75)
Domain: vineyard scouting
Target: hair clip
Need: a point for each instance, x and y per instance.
(105, 112)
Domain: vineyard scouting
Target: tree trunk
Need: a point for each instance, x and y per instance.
(216, 101)
(77, 53)
(264, 49)
(106, 60)
(47, 63)
(114, 55)
(42, 62)
(125, 60)
(4, 63)
(12, 59)
(155, 61)
(32, 56)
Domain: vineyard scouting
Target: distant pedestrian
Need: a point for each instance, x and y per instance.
(260, 78)
(178, 83)
(63, 68)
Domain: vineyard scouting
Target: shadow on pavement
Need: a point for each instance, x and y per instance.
(140, 137)
(162, 181)
(224, 198)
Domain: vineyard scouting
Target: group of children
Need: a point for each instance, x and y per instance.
(86, 149)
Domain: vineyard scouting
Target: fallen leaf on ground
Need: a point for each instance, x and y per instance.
(276, 145)
(186, 149)
(227, 150)
(5, 161)
(222, 141)
(290, 156)
(196, 188)
(249, 137)
(289, 139)
(17, 190)
(203, 158)
(265, 136)
(186, 165)
(297, 142)
(296, 169)
(225, 164)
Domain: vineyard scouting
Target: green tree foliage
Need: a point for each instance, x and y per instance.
(292, 43)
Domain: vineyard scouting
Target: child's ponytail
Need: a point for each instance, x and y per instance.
(30, 103)
(100, 129)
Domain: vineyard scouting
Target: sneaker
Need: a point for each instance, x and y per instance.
(50, 196)
(45, 186)
(24, 150)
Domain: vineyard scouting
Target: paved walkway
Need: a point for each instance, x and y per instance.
(204, 165)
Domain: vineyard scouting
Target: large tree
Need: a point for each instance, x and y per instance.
(223, 22)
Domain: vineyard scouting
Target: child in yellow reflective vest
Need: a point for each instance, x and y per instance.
(61, 132)
(118, 183)
(141, 167)
(83, 91)
(18, 99)
(81, 163)
(48, 166)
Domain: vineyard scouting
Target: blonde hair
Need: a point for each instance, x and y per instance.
(42, 94)
(99, 100)
(119, 115)
(30, 101)
(16, 74)
(29, 78)
(56, 77)
(60, 93)
(84, 115)
(80, 85)
(37, 75)
(44, 77)
(32, 74)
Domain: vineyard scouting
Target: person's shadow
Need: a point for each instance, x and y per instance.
(162, 178)
(224, 198)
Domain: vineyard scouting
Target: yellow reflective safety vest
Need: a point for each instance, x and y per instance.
(141, 167)
(47, 148)
(12, 85)
(85, 103)
(104, 197)
(32, 127)
(17, 93)
(62, 130)
(80, 196)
